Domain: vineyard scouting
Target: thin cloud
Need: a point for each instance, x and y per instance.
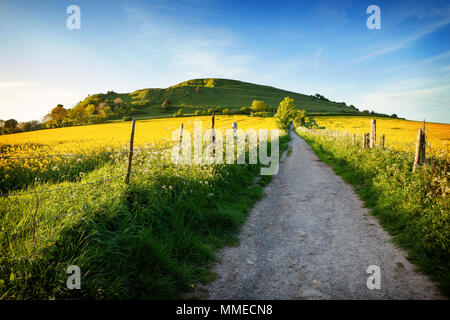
(317, 58)
(187, 51)
(405, 42)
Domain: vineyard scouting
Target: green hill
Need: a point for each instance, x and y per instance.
(197, 94)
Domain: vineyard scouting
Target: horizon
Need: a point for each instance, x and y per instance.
(323, 47)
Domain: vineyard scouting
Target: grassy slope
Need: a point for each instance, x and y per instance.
(398, 198)
(226, 93)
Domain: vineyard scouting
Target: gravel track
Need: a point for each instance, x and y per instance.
(311, 238)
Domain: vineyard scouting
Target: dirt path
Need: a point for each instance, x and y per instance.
(311, 238)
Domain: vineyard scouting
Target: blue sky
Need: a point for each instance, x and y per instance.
(304, 46)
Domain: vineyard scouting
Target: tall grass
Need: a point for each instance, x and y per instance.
(413, 206)
(150, 239)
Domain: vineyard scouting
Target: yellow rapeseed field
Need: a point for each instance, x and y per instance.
(94, 139)
(399, 134)
(91, 137)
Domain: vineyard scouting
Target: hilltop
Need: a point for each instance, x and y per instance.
(198, 94)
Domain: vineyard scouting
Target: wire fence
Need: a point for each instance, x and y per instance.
(62, 188)
(70, 155)
(10, 232)
(14, 231)
(415, 151)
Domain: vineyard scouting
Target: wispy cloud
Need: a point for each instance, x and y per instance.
(406, 41)
(317, 58)
(188, 51)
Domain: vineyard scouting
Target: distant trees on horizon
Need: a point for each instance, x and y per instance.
(99, 108)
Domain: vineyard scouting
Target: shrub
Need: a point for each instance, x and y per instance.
(258, 106)
(226, 111)
(127, 118)
(244, 110)
(10, 126)
(299, 117)
(118, 101)
(261, 114)
(197, 112)
(179, 113)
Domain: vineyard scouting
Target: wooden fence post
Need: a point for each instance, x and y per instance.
(365, 140)
(130, 154)
(373, 132)
(419, 156)
(234, 126)
(181, 140)
(382, 141)
(213, 137)
(423, 143)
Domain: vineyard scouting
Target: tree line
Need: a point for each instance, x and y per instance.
(94, 109)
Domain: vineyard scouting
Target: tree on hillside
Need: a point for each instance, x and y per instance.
(244, 110)
(30, 125)
(107, 112)
(58, 114)
(10, 126)
(89, 110)
(78, 114)
(210, 83)
(285, 113)
(102, 105)
(258, 106)
(118, 101)
(320, 97)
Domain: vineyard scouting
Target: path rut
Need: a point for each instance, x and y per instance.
(310, 237)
